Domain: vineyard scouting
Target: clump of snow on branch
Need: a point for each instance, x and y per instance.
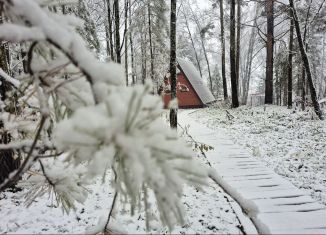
(67, 183)
(110, 127)
(126, 133)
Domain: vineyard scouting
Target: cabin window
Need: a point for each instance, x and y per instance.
(183, 88)
(180, 87)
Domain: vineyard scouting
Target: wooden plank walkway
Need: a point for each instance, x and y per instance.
(272, 203)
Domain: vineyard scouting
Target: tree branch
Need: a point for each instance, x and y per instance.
(27, 162)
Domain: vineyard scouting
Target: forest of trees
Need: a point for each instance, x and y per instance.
(205, 33)
(55, 68)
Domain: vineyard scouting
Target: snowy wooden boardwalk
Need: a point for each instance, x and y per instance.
(273, 204)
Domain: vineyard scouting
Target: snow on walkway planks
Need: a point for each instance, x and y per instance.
(272, 203)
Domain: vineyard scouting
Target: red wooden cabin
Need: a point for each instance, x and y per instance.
(191, 90)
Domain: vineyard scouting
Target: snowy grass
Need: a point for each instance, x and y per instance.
(290, 142)
(207, 212)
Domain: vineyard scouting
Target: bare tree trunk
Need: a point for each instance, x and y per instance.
(285, 86)
(323, 94)
(143, 57)
(225, 88)
(270, 52)
(234, 89)
(303, 72)
(298, 88)
(193, 45)
(247, 72)
(280, 90)
(238, 43)
(305, 60)
(303, 87)
(109, 32)
(117, 30)
(249, 59)
(173, 67)
(131, 47)
(107, 36)
(277, 86)
(207, 62)
(150, 41)
(126, 42)
(290, 88)
(202, 38)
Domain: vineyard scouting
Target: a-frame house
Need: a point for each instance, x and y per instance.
(191, 90)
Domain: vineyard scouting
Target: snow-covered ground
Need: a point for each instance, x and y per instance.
(207, 212)
(288, 141)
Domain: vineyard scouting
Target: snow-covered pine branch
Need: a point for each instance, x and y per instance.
(121, 131)
(131, 138)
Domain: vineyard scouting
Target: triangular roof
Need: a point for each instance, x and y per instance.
(196, 81)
